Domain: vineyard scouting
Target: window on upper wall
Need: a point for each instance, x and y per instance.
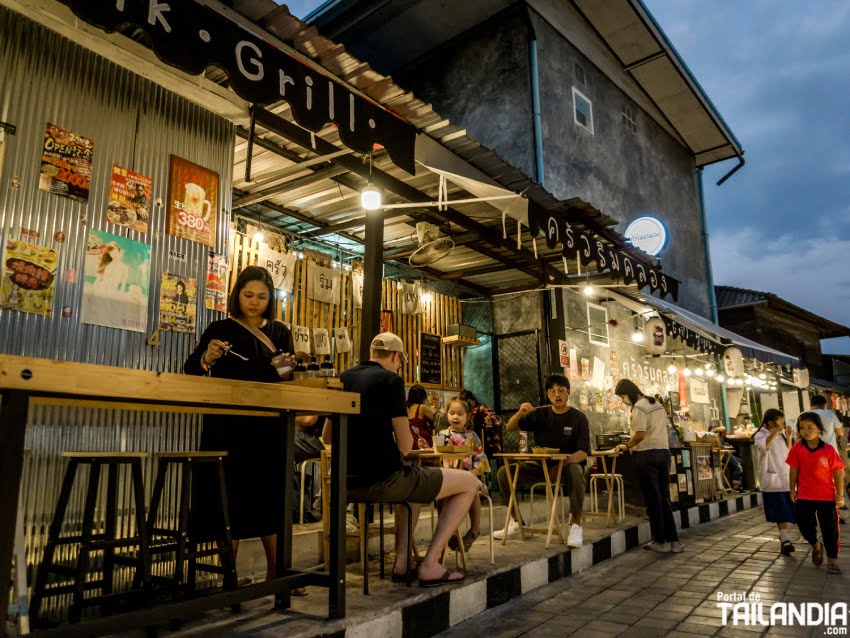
(582, 110)
(629, 118)
(579, 74)
(597, 324)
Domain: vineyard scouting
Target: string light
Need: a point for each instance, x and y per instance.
(719, 378)
(588, 290)
(258, 237)
(699, 372)
(672, 369)
(686, 372)
(426, 298)
(710, 373)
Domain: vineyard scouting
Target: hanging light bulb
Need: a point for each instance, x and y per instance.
(637, 336)
(748, 381)
(258, 237)
(699, 372)
(672, 368)
(426, 297)
(762, 376)
(710, 372)
(370, 197)
(719, 378)
(686, 372)
(708, 366)
(588, 290)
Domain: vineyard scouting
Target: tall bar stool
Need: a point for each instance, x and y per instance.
(165, 540)
(90, 542)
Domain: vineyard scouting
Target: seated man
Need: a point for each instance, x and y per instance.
(556, 425)
(378, 438)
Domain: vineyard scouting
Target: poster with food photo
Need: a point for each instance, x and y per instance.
(66, 159)
(177, 302)
(29, 277)
(192, 202)
(129, 199)
(116, 282)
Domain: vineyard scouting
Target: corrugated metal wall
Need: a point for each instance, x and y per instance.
(136, 124)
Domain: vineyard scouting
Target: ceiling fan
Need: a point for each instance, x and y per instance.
(432, 247)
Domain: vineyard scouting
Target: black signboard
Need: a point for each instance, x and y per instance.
(430, 350)
(192, 35)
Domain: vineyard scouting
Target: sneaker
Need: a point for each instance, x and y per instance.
(510, 530)
(661, 548)
(575, 538)
(676, 547)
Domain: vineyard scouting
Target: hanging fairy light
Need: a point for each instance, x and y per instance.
(710, 372)
(719, 378)
(699, 372)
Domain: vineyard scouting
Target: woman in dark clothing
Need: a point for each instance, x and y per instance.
(420, 415)
(248, 346)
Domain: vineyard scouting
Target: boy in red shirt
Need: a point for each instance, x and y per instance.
(817, 487)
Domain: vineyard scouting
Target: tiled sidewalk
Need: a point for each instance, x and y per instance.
(644, 594)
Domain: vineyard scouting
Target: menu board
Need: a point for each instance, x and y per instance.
(430, 349)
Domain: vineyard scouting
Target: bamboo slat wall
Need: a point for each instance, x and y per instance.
(298, 309)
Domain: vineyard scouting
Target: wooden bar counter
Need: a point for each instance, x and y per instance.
(26, 381)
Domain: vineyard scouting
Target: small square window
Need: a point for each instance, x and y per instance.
(582, 110)
(579, 73)
(597, 324)
(629, 118)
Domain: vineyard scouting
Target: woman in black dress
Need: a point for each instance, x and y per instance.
(248, 346)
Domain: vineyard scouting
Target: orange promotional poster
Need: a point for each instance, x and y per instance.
(192, 202)
(129, 199)
(66, 163)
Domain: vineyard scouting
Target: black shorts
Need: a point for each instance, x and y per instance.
(407, 485)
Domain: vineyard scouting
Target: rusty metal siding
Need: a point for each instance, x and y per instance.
(136, 124)
(133, 123)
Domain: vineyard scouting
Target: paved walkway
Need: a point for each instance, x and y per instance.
(644, 594)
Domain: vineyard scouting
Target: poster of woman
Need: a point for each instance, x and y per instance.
(116, 282)
(177, 302)
(29, 275)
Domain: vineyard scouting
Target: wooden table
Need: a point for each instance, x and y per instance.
(27, 381)
(515, 459)
(603, 455)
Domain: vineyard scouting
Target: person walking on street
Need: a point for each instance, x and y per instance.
(817, 488)
(651, 447)
(772, 440)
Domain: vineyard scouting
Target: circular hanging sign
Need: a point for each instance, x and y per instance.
(648, 234)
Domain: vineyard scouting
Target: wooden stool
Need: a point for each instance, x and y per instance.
(364, 539)
(89, 541)
(164, 540)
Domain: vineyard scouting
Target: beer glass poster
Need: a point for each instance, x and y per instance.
(116, 282)
(129, 199)
(66, 163)
(192, 202)
(177, 301)
(29, 274)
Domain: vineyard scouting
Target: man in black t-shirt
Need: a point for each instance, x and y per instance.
(556, 425)
(378, 438)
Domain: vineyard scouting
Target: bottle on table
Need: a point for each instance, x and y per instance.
(313, 369)
(300, 370)
(327, 368)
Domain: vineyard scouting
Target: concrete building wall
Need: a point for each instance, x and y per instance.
(481, 81)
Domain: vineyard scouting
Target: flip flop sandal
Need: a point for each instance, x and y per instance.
(299, 591)
(468, 539)
(833, 569)
(787, 548)
(445, 579)
(817, 554)
(402, 578)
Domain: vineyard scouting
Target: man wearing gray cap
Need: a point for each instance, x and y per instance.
(379, 437)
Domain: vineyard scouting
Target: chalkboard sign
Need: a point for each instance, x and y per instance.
(430, 349)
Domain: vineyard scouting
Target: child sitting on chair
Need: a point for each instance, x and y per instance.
(460, 434)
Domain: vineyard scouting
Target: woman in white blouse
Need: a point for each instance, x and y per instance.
(772, 440)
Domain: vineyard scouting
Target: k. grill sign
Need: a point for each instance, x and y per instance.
(194, 34)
